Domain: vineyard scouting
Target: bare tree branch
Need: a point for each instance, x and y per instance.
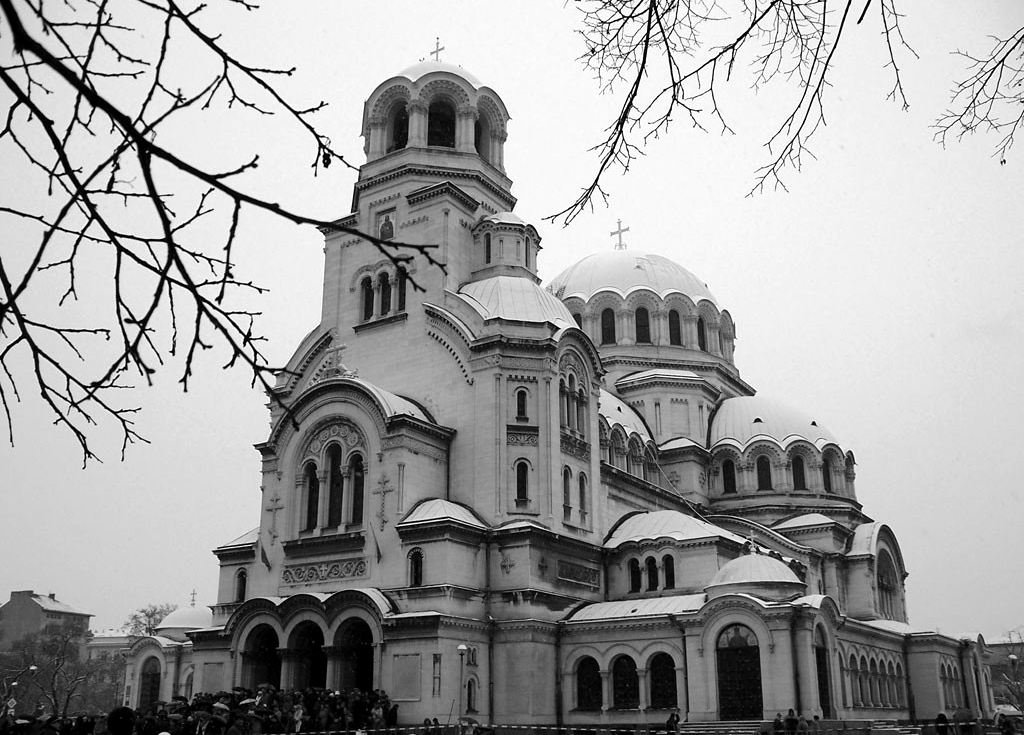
(84, 109)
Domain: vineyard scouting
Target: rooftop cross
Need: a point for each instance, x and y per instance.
(438, 48)
(193, 597)
(620, 245)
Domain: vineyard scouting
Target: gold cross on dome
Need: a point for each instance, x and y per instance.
(438, 48)
(619, 232)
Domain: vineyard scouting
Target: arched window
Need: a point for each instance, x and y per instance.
(529, 255)
(702, 336)
(625, 684)
(367, 287)
(416, 568)
(764, 473)
(662, 674)
(635, 576)
(385, 294)
(583, 497)
(471, 695)
(482, 138)
(588, 685)
(581, 411)
(312, 497)
(888, 585)
(149, 682)
(563, 403)
(240, 583)
(487, 247)
(799, 482)
(521, 404)
(855, 694)
(570, 403)
(728, 477)
(441, 124)
(675, 333)
(335, 485)
(522, 483)
(607, 327)
(668, 565)
(566, 494)
(652, 573)
(826, 474)
(357, 488)
(403, 279)
(643, 326)
(399, 129)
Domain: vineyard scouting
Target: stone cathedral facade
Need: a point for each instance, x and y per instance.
(554, 504)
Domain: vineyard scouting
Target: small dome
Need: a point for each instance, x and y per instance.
(185, 618)
(625, 271)
(423, 68)
(743, 419)
(758, 574)
(515, 299)
(505, 218)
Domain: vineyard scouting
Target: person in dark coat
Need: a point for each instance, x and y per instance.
(791, 722)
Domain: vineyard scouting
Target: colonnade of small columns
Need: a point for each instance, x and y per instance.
(715, 343)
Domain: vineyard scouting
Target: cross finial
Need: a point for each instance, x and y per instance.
(620, 245)
(438, 48)
(193, 595)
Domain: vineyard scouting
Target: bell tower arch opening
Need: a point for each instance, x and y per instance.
(441, 123)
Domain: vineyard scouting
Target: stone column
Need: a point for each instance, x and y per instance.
(689, 328)
(606, 690)
(324, 500)
(288, 658)
(334, 656)
(712, 335)
(641, 675)
(659, 327)
(417, 124)
(465, 129)
(377, 143)
(498, 150)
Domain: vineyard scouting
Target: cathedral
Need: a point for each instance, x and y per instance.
(544, 504)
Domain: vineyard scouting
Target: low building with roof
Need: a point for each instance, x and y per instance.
(547, 506)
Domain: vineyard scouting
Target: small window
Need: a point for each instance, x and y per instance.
(241, 579)
(312, 497)
(487, 248)
(521, 404)
(675, 333)
(581, 411)
(607, 327)
(471, 696)
(764, 473)
(702, 335)
(399, 129)
(367, 288)
(652, 573)
(635, 578)
(643, 326)
(669, 567)
(357, 488)
(403, 279)
(441, 124)
(522, 483)
(799, 482)
(335, 484)
(385, 294)
(583, 497)
(416, 568)
(826, 474)
(728, 477)
(566, 495)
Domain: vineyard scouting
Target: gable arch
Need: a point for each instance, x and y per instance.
(444, 90)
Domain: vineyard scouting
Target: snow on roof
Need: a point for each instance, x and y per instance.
(679, 442)
(744, 419)
(865, 538)
(893, 626)
(626, 271)
(807, 519)
(754, 569)
(249, 537)
(639, 608)
(436, 509)
(391, 404)
(616, 411)
(670, 524)
(515, 299)
(52, 604)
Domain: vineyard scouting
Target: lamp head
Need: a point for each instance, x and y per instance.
(462, 649)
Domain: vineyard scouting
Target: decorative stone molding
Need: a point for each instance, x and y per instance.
(323, 572)
(521, 439)
(346, 433)
(579, 574)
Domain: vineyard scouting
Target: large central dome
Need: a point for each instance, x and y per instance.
(625, 271)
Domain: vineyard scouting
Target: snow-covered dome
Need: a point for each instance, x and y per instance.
(625, 271)
(184, 619)
(515, 299)
(416, 71)
(761, 575)
(743, 419)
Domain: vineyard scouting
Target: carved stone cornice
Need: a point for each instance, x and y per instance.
(337, 543)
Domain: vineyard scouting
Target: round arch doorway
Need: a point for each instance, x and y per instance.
(262, 661)
(739, 674)
(307, 645)
(354, 643)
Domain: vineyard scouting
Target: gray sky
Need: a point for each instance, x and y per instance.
(882, 295)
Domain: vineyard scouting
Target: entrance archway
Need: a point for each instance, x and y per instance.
(739, 674)
(307, 645)
(354, 642)
(149, 683)
(824, 681)
(262, 662)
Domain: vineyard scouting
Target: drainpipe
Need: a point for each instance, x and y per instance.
(559, 627)
(490, 629)
(796, 667)
(686, 672)
(911, 707)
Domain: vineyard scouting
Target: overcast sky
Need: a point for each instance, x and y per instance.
(882, 294)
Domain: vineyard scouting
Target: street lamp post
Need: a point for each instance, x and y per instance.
(462, 662)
